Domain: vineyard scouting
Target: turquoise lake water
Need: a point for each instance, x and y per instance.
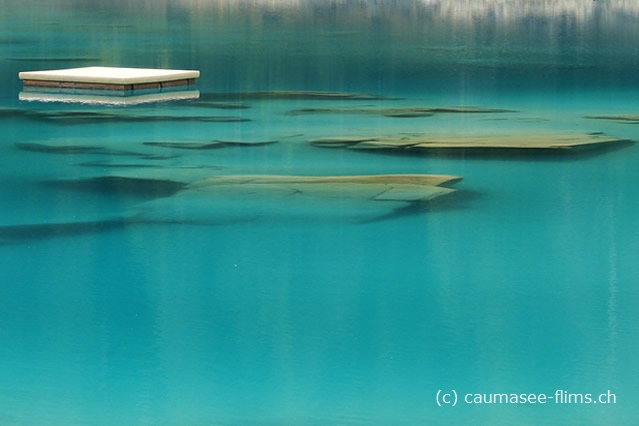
(126, 301)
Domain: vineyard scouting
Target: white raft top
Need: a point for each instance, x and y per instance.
(110, 75)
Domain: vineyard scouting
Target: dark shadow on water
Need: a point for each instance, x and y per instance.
(215, 105)
(120, 186)
(31, 233)
(399, 112)
(214, 144)
(12, 235)
(140, 189)
(186, 145)
(21, 234)
(90, 117)
(6, 113)
(60, 149)
(459, 200)
(106, 164)
(290, 95)
(83, 60)
(87, 117)
(501, 154)
(71, 149)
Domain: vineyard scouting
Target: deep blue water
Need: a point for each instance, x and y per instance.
(326, 312)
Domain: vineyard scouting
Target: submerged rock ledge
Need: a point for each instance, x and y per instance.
(209, 144)
(407, 188)
(624, 118)
(251, 197)
(400, 112)
(291, 94)
(411, 179)
(425, 143)
(238, 199)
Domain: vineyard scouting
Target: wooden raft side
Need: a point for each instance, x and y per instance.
(109, 86)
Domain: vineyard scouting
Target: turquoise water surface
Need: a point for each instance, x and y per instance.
(126, 300)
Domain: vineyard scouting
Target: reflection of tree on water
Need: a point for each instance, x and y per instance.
(458, 9)
(381, 45)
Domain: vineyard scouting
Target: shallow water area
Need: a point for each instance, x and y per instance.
(130, 298)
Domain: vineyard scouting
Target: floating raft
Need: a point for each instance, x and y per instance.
(112, 97)
(425, 143)
(109, 78)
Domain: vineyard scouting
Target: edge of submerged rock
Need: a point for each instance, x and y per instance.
(412, 179)
(435, 143)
